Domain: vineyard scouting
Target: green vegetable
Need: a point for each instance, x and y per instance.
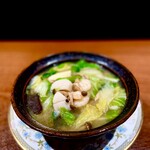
(55, 115)
(117, 103)
(83, 64)
(42, 99)
(105, 98)
(92, 72)
(34, 82)
(63, 66)
(96, 86)
(75, 68)
(88, 114)
(111, 114)
(49, 73)
(28, 90)
(41, 87)
(119, 97)
(67, 116)
(58, 75)
(48, 102)
(72, 78)
(111, 79)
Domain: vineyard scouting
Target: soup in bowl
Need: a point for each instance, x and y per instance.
(75, 96)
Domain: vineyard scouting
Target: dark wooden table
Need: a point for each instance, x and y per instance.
(14, 56)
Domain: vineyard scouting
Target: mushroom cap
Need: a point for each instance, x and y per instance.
(58, 97)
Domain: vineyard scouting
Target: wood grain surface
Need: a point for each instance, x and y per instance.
(16, 55)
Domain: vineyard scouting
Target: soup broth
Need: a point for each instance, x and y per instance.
(75, 96)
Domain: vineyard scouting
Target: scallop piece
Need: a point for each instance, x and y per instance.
(62, 84)
(63, 74)
(82, 102)
(85, 84)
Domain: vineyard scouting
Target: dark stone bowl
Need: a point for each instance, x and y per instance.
(81, 139)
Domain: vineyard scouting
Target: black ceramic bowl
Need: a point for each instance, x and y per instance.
(80, 139)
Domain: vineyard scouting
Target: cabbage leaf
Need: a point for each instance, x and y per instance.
(89, 72)
(88, 114)
(67, 116)
(83, 64)
(63, 66)
(45, 117)
(106, 97)
(39, 86)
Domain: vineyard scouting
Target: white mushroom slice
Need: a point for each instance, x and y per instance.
(63, 74)
(85, 84)
(58, 97)
(82, 102)
(77, 95)
(59, 101)
(62, 84)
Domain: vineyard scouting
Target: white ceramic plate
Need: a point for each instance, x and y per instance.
(30, 139)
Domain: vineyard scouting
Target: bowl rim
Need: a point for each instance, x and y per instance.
(77, 134)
